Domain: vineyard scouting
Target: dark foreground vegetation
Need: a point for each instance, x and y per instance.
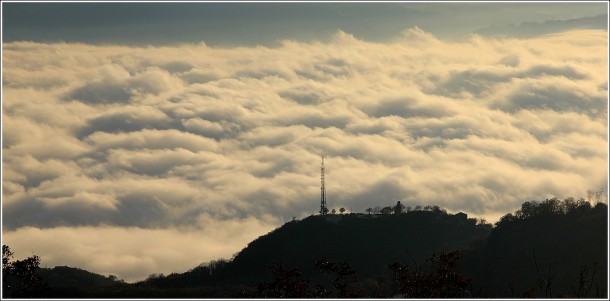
(549, 249)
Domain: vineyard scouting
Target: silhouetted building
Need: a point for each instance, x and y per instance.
(398, 208)
(462, 216)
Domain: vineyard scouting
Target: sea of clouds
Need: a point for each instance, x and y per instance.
(139, 160)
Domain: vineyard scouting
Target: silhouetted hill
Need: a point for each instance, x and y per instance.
(63, 276)
(63, 281)
(367, 242)
(541, 250)
(567, 239)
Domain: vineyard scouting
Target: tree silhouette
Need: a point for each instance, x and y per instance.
(7, 254)
(343, 275)
(436, 280)
(387, 210)
(342, 210)
(286, 283)
(584, 281)
(438, 211)
(547, 207)
(20, 278)
(545, 280)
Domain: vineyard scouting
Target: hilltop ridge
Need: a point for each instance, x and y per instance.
(548, 249)
(368, 242)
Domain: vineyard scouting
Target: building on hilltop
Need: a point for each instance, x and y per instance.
(398, 209)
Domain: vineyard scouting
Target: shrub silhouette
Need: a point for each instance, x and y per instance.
(436, 279)
(287, 283)
(20, 277)
(343, 276)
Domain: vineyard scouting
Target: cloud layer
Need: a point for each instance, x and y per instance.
(134, 253)
(114, 141)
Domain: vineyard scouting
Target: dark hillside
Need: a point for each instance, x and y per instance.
(63, 276)
(548, 249)
(542, 253)
(367, 242)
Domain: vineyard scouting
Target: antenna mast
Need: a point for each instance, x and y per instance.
(323, 209)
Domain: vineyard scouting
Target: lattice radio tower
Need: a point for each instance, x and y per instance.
(323, 209)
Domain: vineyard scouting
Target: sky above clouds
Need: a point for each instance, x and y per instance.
(239, 24)
(149, 138)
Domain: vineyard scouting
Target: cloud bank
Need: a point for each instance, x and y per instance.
(103, 145)
(532, 29)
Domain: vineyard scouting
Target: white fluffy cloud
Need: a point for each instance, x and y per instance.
(141, 142)
(133, 253)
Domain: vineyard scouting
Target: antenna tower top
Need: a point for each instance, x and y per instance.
(323, 209)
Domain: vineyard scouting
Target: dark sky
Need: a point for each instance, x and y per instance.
(267, 23)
